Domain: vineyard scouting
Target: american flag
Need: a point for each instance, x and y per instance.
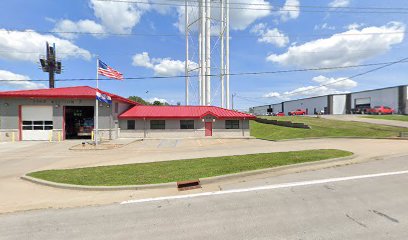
(109, 72)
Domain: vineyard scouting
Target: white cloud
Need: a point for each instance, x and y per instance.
(27, 46)
(20, 81)
(348, 48)
(291, 10)
(67, 28)
(336, 83)
(142, 60)
(325, 86)
(355, 26)
(272, 36)
(240, 17)
(161, 66)
(119, 17)
(152, 100)
(339, 3)
(168, 67)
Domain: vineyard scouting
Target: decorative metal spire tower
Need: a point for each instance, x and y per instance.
(201, 18)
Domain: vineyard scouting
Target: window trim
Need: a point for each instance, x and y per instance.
(37, 125)
(163, 124)
(229, 124)
(189, 126)
(116, 107)
(133, 122)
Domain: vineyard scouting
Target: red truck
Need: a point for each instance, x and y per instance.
(297, 112)
(279, 114)
(380, 110)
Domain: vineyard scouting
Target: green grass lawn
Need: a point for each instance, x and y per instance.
(178, 170)
(389, 117)
(322, 128)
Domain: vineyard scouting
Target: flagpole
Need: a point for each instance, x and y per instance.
(96, 103)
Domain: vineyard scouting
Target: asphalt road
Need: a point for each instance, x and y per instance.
(373, 207)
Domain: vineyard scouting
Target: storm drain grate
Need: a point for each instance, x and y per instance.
(188, 185)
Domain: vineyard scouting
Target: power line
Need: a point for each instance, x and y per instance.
(293, 8)
(217, 75)
(299, 6)
(344, 79)
(182, 35)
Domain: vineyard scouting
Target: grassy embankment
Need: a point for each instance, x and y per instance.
(177, 170)
(321, 127)
(389, 117)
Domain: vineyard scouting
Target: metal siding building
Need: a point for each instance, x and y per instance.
(394, 97)
(310, 105)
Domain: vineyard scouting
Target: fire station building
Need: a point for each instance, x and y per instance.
(69, 113)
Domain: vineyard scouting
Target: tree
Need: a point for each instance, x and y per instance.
(157, 103)
(139, 100)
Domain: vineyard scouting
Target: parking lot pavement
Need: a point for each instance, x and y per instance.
(23, 157)
(360, 118)
(11, 147)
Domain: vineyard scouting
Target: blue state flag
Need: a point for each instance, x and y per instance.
(103, 98)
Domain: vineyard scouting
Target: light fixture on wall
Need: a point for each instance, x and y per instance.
(57, 105)
(6, 104)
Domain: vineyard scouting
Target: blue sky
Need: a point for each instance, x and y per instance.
(311, 34)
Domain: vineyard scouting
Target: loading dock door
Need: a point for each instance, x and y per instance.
(37, 123)
(363, 102)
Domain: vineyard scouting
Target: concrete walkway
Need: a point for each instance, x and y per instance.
(23, 157)
(359, 118)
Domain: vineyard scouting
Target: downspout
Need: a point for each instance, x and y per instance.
(243, 131)
(144, 131)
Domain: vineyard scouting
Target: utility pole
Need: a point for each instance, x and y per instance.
(232, 100)
(51, 65)
(222, 69)
(227, 49)
(208, 52)
(187, 51)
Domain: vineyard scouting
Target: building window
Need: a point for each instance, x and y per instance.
(116, 107)
(231, 124)
(157, 124)
(130, 124)
(186, 124)
(37, 125)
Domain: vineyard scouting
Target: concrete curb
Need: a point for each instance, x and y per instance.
(98, 188)
(199, 138)
(294, 168)
(317, 138)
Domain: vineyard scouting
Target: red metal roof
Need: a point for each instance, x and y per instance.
(66, 92)
(186, 112)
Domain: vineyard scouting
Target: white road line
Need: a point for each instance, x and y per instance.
(267, 187)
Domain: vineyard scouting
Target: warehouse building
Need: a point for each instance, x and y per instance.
(69, 113)
(394, 97)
